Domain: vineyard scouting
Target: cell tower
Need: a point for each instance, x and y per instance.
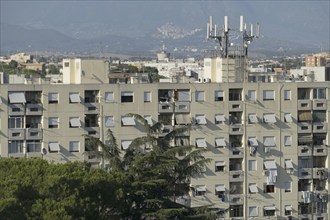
(222, 36)
(231, 57)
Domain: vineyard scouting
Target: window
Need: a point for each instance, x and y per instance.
(127, 97)
(200, 120)
(220, 191)
(74, 98)
(33, 146)
(287, 117)
(66, 64)
(287, 186)
(201, 143)
(53, 122)
(74, 122)
(319, 116)
(269, 165)
(74, 146)
(220, 119)
(200, 190)
(148, 118)
(128, 121)
(125, 144)
(287, 141)
(253, 119)
(253, 142)
(253, 211)
(183, 96)
(220, 142)
(268, 95)
(15, 147)
(287, 94)
(147, 96)
(219, 166)
(109, 97)
(319, 93)
(52, 98)
(236, 211)
(109, 121)
(251, 95)
(200, 96)
(269, 118)
(269, 211)
(15, 122)
(269, 188)
(288, 164)
(252, 165)
(253, 188)
(269, 141)
(235, 94)
(288, 210)
(54, 147)
(16, 97)
(218, 96)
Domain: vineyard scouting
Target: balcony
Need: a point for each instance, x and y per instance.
(33, 134)
(182, 107)
(320, 173)
(305, 173)
(304, 104)
(165, 107)
(236, 129)
(320, 150)
(320, 127)
(34, 109)
(236, 176)
(167, 129)
(304, 127)
(16, 134)
(16, 109)
(304, 150)
(319, 104)
(93, 131)
(236, 199)
(236, 152)
(92, 108)
(235, 106)
(305, 216)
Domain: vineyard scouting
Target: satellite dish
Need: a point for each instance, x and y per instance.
(43, 151)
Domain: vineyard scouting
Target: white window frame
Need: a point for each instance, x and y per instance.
(74, 97)
(109, 97)
(200, 119)
(200, 96)
(17, 121)
(288, 117)
(126, 94)
(109, 121)
(73, 120)
(200, 143)
(287, 185)
(268, 95)
(253, 211)
(74, 146)
(252, 165)
(53, 98)
(53, 122)
(219, 95)
(287, 94)
(251, 95)
(147, 96)
(15, 146)
(287, 141)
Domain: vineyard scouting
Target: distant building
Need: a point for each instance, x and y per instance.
(21, 58)
(320, 59)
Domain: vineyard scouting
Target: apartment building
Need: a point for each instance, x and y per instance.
(319, 59)
(268, 139)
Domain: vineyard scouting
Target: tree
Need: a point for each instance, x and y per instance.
(158, 177)
(13, 64)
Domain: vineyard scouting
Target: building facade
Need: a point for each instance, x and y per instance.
(268, 141)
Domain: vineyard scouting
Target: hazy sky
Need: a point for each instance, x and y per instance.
(304, 21)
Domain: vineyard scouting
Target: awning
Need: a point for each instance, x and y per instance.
(183, 119)
(269, 165)
(220, 188)
(269, 118)
(305, 116)
(0, 100)
(253, 142)
(75, 122)
(220, 163)
(288, 208)
(253, 118)
(220, 142)
(201, 120)
(305, 139)
(201, 188)
(220, 118)
(54, 147)
(269, 141)
(288, 118)
(109, 121)
(288, 164)
(148, 118)
(201, 143)
(74, 97)
(253, 188)
(17, 97)
(269, 208)
(125, 144)
(128, 121)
